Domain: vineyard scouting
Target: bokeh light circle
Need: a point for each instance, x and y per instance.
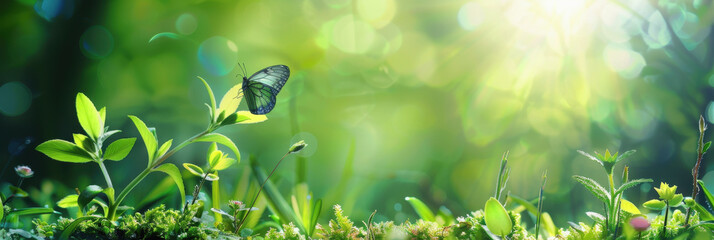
(51, 9)
(309, 139)
(377, 12)
(96, 42)
(624, 61)
(352, 35)
(470, 16)
(218, 55)
(186, 24)
(15, 98)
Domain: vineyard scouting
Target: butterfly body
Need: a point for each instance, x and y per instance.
(261, 88)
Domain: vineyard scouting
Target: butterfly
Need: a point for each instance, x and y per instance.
(261, 88)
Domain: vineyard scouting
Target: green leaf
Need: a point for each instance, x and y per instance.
(164, 148)
(68, 201)
(214, 158)
(210, 95)
(32, 211)
(175, 174)
(596, 216)
(83, 142)
(212, 177)
(18, 192)
(591, 157)
(706, 192)
(103, 115)
(316, 210)
(525, 203)
(147, 136)
(69, 230)
(64, 151)
(497, 219)
(655, 204)
(193, 169)
(219, 138)
(594, 188)
(630, 184)
(703, 213)
(88, 116)
(231, 100)
(224, 163)
(230, 119)
(2, 209)
(706, 146)
(629, 207)
(245, 117)
(625, 155)
(422, 210)
(86, 196)
(118, 149)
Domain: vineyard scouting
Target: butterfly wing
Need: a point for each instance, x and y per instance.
(263, 86)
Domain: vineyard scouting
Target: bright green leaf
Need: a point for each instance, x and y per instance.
(175, 174)
(548, 224)
(219, 138)
(629, 207)
(83, 142)
(211, 149)
(704, 214)
(195, 170)
(316, 210)
(224, 163)
(212, 177)
(86, 196)
(676, 199)
(110, 193)
(422, 210)
(245, 117)
(147, 136)
(118, 149)
(706, 146)
(2, 209)
(706, 192)
(630, 184)
(89, 118)
(68, 201)
(164, 148)
(655, 204)
(64, 151)
(103, 115)
(497, 219)
(214, 158)
(32, 211)
(231, 100)
(210, 95)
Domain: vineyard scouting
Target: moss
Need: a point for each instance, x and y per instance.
(156, 223)
(340, 228)
(289, 232)
(471, 227)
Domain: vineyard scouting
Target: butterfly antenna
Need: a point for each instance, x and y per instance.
(245, 70)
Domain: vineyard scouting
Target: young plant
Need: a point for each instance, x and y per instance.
(217, 160)
(89, 148)
(298, 146)
(611, 198)
(667, 199)
(443, 216)
(503, 173)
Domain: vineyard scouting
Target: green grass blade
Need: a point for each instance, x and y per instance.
(73, 226)
(421, 209)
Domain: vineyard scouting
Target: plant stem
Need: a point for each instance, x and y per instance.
(143, 174)
(240, 224)
(664, 224)
(106, 174)
(611, 210)
(695, 170)
(8, 199)
(195, 195)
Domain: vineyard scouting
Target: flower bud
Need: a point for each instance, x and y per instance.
(297, 146)
(639, 224)
(24, 171)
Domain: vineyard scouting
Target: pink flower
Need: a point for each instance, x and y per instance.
(639, 223)
(236, 203)
(24, 171)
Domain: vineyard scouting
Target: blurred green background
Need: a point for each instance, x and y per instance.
(395, 98)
